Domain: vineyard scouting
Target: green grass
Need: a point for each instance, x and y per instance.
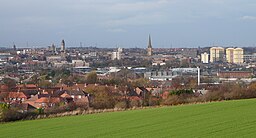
(219, 119)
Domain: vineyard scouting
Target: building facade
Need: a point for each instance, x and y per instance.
(235, 55)
(216, 54)
(238, 56)
(205, 58)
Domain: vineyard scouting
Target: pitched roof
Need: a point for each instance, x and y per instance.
(75, 92)
(17, 95)
(48, 100)
(65, 95)
(32, 99)
(29, 86)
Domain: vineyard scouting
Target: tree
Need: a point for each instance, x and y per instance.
(92, 77)
(45, 84)
(142, 82)
(102, 97)
(11, 83)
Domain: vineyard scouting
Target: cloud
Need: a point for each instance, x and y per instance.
(138, 20)
(250, 18)
(79, 18)
(116, 30)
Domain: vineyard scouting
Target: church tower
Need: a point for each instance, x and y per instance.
(62, 48)
(14, 47)
(149, 49)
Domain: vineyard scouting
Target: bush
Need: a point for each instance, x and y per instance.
(183, 91)
(121, 104)
(172, 100)
(61, 109)
(7, 115)
(153, 101)
(135, 103)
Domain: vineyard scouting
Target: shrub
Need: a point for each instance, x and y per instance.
(121, 104)
(135, 103)
(8, 115)
(182, 91)
(154, 101)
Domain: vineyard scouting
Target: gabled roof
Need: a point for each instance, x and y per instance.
(30, 92)
(29, 86)
(32, 99)
(17, 95)
(81, 100)
(76, 92)
(48, 100)
(65, 95)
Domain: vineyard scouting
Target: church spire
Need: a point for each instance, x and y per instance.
(149, 49)
(149, 42)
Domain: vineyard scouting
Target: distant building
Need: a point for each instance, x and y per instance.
(189, 52)
(14, 47)
(117, 55)
(62, 48)
(149, 49)
(92, 54)
(83, 69)
(230, 55)
(235, 55)
(235, 74)
(184, 71)
(158, 61)
(238, 55)
(216, 54)
(80, 63)
(159, 75)
(120, 50)
(205, 58)
(53, 48)
(54, 59)
(250, 58)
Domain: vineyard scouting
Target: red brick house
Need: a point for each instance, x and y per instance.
(16, 97)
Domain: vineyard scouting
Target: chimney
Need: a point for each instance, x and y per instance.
(198, 76)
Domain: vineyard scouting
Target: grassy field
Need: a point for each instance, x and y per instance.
(220, 119)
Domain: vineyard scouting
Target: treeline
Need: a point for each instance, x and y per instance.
(225, 91)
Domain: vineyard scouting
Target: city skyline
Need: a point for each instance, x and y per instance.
(116, 23)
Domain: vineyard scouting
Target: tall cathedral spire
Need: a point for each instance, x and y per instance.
(149, 49)
(149, 42)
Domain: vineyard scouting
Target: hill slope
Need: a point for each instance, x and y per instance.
(221, 119)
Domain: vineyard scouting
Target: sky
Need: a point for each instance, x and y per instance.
(127, 23)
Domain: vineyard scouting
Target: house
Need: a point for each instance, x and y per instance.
(47, 102)
(79, 97)
(16, 97)
(141, 91)
(4, 88)
(27, 86)
(23, 107)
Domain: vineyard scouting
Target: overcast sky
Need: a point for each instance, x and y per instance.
(127, 23)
